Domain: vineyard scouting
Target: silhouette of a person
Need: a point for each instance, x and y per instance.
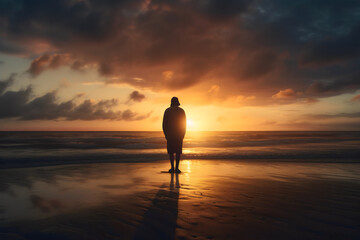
(174, 128)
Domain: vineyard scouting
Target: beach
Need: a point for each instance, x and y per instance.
(210, 199)
(258, 101)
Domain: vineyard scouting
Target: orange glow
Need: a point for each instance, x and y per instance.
(189, 124)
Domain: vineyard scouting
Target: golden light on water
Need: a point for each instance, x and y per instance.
(187, 163)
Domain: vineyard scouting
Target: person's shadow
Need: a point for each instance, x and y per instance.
(159, 220)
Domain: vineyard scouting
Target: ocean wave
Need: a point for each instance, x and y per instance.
(20, 149)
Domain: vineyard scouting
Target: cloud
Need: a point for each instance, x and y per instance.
(4, 84)
(332, 116)
(309, 46)
(309, 101)
(54, 61)
(286, 94)
(310, 125)
(129, 115)
(19, 105)
(335, 49)
(93, 83)
(346, 84)
(48, 61)
(214, 89)
(224, 9)
(12, 103)
(44, 204)
(260, 64)
(10, 48)
(355, 99)
(136, 96)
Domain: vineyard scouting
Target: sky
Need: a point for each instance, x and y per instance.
(235, 65)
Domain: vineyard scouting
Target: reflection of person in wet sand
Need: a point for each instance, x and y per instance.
(159, 220)
(174, 127)
(177, 183)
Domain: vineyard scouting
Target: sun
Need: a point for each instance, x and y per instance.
(189, 123)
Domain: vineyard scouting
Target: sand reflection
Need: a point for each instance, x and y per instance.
(209, 199)
(160, 219)
(48, 191)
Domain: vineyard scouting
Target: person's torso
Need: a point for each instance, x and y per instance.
(175, 122)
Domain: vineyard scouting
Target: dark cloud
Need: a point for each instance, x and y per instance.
(44, 204)
(224, 9)
(19, 105)
(12, 103)
(346, 84)
(136, 96)
(48, 61)
(54, 61)
(260, 64)
(4, 84)
(334, 49)
(310, 46)
(92, 20)
(10, 48)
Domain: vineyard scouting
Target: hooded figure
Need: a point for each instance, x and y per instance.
(174, 127)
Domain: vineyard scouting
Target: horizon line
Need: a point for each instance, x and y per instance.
(186, 131)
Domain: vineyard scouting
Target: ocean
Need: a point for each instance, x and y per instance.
(26, 149)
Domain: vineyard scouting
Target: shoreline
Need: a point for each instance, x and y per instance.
(30, 163)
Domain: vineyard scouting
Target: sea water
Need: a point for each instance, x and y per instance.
(53, 148)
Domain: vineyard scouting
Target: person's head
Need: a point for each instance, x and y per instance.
(175, 102)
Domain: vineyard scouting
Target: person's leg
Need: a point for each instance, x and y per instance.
(172, 161)
(177, 161)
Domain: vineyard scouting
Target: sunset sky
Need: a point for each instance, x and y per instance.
(234, 65)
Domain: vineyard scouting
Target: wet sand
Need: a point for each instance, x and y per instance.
(209, 200)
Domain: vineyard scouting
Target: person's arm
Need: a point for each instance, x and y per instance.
(165, 124)
(183, 124)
